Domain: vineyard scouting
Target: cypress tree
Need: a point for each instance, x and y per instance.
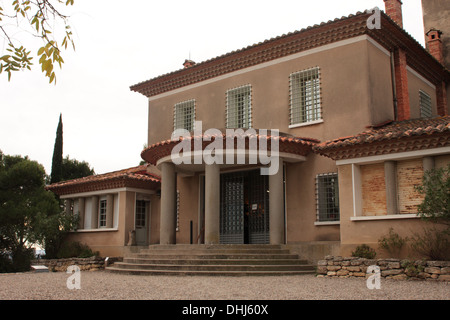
(56, 174)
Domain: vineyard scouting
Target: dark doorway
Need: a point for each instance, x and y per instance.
(244, 208)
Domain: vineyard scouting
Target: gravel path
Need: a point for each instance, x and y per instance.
(101, 285)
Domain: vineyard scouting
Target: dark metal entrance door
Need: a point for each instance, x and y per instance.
(258, 199)
(232, 208)
(244, 210)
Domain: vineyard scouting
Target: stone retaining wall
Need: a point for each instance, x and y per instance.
(85, 264)
(344, 267)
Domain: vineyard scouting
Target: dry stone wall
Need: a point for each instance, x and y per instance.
(344, 267)
(85, 264)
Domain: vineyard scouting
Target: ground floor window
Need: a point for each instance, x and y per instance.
(327, 197)
(140, 213)
(102, 213)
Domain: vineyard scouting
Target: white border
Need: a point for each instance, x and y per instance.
(386, 217)
(104, 192)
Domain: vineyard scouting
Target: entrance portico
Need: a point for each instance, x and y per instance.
(290, 149)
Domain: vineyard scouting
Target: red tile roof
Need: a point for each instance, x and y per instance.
(389, 36)
(287, 144)
(136, 177)
(390, 137)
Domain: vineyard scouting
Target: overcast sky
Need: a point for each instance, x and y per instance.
(121, 43)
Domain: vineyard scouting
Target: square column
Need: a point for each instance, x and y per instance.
(212, 204)
(94, 215)
(276, 206)
(168, 204)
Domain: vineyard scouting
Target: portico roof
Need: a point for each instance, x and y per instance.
(287, 144)
(135, 177)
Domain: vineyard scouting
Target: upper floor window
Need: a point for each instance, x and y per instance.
(305, 96)
(184, 115)
(425, 105)
(327, 197)
(239, 107)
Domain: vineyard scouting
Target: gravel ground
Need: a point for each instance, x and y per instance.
(101, 285)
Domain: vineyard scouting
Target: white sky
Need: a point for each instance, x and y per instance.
(121, 43)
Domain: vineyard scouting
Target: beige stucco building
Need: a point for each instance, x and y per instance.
(361, 113)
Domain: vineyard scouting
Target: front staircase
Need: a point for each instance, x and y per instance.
(220, 260)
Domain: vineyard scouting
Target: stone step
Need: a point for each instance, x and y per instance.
(189, 260)
(197, 256)
(207, 273)
(214, 251)
(187, 267)
(213, 260)
(196, 247)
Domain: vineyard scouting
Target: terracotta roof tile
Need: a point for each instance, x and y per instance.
(288, 143)
(390, 36)
(407, 130)
(135, 176)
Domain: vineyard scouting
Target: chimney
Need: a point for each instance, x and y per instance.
(434, 44)
(394, 10)
(401, 85)
(188, 63)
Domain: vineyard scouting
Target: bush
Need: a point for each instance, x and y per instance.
(22, 259)
(392, 243)
(432, 244)
(75, 250)
(412, 269)
(364, 251)
(5, 263)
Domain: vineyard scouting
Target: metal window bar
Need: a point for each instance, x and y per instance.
(178, 210)
(327, 197)
(184, 115)
(425, 105)
(239, 111)
(232, 208)
(102, 213)
(305, 99)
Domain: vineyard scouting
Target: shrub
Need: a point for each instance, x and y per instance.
(75, 250)
(435, 188)
(5, 263)
(432, 244)
(412, 269)
(364, 251)
(392, 243)
(21, 258)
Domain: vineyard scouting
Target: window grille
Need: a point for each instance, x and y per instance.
(140, 213)
(178, 210)
(184, 115)
(239, 107)
(327, 197)
(425, 105)
(102, 213)
(305, 96)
